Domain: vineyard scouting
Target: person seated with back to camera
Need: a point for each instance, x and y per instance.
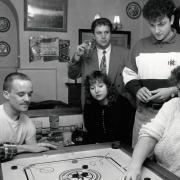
(161, 135)
(107, 114)
(17, 131)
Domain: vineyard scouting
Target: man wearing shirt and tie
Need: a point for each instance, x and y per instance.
(103, 56)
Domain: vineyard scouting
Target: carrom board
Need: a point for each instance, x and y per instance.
(91, 164)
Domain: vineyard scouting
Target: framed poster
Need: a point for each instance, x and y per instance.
(45, 15)
(119, 38)
(48, 49)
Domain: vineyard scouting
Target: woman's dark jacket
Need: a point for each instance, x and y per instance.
(109, 123)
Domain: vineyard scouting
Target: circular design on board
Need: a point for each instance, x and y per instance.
(78, 173)
(133, 10)
(4, 24)
(4, 48)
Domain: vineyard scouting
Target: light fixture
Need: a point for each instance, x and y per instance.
(117, 25)
(97, 16)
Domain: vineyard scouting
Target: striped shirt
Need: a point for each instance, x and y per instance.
(7, 151)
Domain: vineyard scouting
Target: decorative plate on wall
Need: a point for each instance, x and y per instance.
(4, 48)
(133, 10)
(4, 24)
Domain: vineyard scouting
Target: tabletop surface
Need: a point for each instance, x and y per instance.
(83, 149)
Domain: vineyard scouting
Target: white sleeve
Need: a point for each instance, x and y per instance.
(128, 75)
(156, 128)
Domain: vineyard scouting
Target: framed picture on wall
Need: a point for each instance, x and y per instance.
(45, 15)
(119, 38)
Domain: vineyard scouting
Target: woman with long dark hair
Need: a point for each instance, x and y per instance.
(107, 115)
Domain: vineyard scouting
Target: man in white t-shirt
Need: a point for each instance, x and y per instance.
(15, 127)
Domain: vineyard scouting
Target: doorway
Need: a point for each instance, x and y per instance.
(9, 41)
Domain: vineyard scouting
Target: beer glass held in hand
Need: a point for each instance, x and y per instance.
(89, 45)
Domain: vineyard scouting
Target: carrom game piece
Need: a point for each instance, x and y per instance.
(85, 166)
(14, 167)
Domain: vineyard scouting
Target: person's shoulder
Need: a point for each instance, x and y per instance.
(173, 103)
(1, 106)
(123, 100)
(3, 114)
(90, 105)
(87, 106)
(177, 37)
(141, 44)
(175, 100)
(144, 40)
(119, 50)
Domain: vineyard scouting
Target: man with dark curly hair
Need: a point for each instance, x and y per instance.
(161, 135)
(151, 62)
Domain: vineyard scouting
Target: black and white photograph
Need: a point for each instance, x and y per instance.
(90, 90)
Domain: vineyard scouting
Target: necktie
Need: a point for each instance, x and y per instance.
(103, 63)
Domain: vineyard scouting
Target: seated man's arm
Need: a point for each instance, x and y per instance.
(31, 144)
(35, 148)
(8, 151)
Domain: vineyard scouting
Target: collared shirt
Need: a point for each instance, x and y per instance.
(168, 41)
(100, 55)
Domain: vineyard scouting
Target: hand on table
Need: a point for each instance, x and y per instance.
(132, 174)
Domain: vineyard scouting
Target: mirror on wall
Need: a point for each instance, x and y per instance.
(45, 15)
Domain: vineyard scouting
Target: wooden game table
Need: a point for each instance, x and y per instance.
(102, 161)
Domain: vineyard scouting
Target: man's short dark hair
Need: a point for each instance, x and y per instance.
(12, 76)
(100, 22)
(158, 9)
